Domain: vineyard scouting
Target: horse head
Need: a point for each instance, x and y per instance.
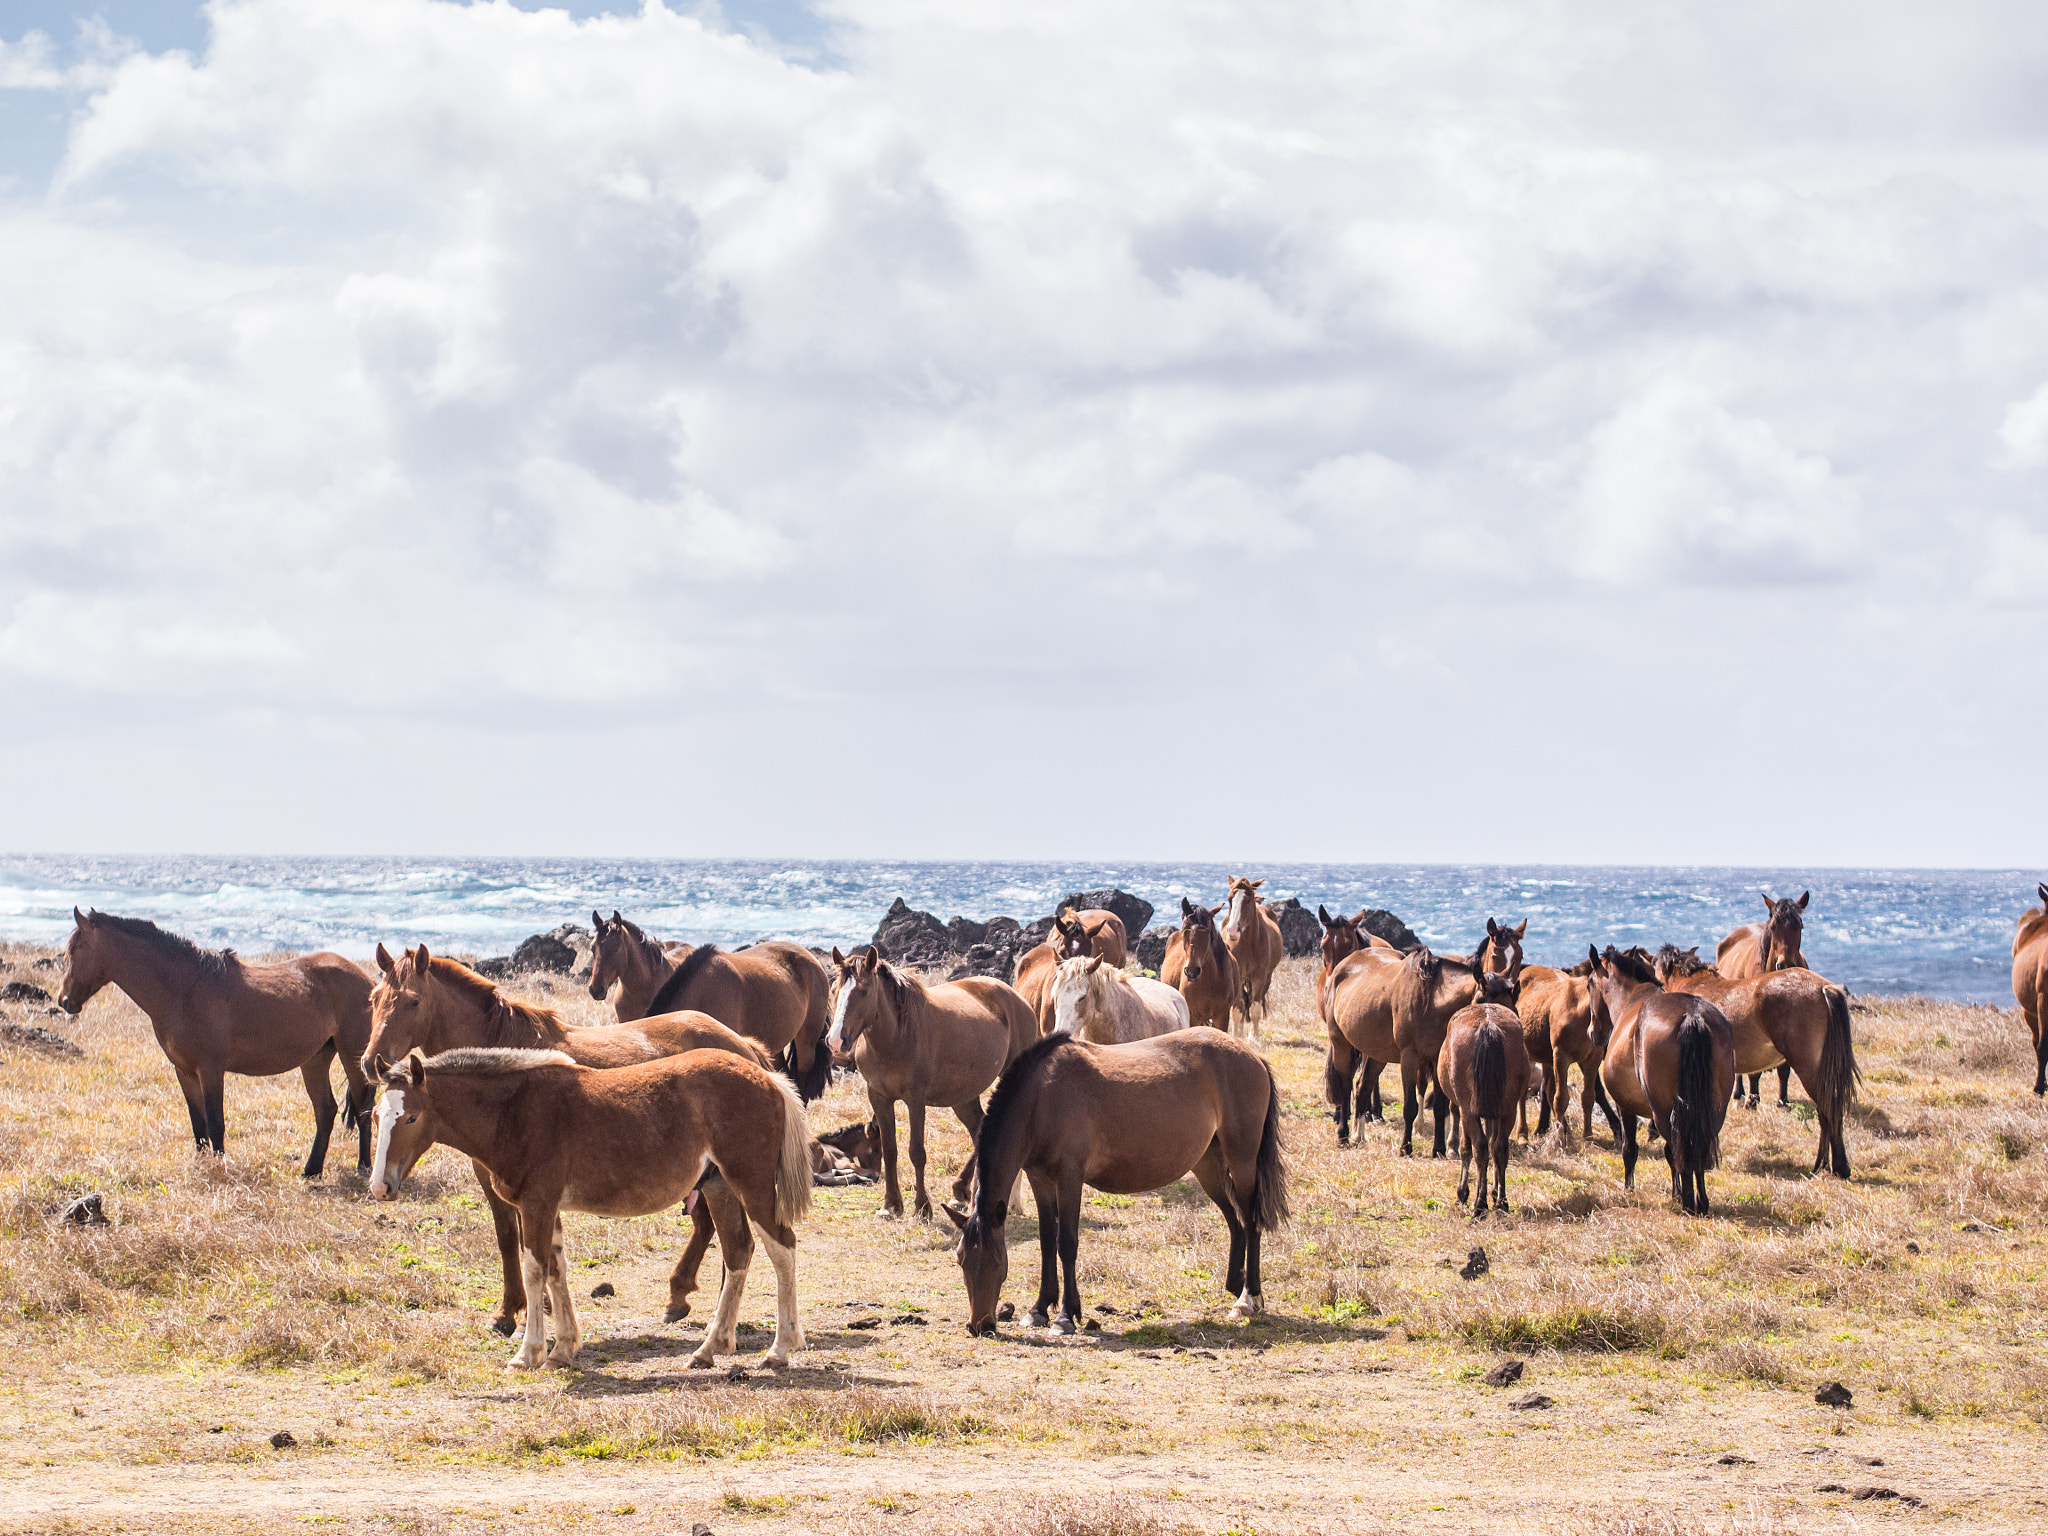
(399, 1004)
(87, 965)
(405, 1124)
(1502, 987)
(1242, 896)
(613, 945)
(1075, 985)
(1502, 950)
(1673, 963)
(1195, 922)
(1341, 936)
(984, 1259)
(1070, 935)
(1784, 927)
(867, 992)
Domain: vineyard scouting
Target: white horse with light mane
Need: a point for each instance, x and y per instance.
(1101, 1003)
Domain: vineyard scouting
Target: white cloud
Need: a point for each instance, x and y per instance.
(2024, 432)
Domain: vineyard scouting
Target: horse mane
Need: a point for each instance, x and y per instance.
(173, 944)
(484, 992)
(1632, 963)
(667, 998)
(992, 1202)
(491, 1061)
(1681, 962)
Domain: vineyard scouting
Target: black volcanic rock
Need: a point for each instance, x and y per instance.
(1300, 933)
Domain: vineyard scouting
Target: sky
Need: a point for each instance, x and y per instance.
(1503, 432)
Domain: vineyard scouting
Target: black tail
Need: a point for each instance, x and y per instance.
(350, 1114)
(812, 1084)
(1339, 1072)
(1839, 1073)
(1695, 1131)
(1269, 1198)
(1490, 1072)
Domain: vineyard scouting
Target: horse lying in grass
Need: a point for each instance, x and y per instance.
(214, 1015)
(428, 1003)
(1484, 1067)
(1093, 1000)
(1123, 1119)
(628, 1141)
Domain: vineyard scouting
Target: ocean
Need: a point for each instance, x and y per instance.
(1945, 933)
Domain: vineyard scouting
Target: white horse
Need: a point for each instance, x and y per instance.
(1101, 1003)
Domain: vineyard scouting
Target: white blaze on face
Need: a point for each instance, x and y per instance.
(1238, 900)
(836, 1040)
(390, 1110)
(1070, 990)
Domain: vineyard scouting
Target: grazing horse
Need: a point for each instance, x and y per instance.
(1556, 1009)
(2030, 981)
(1092, 932)
(1200, 966)
(1094, 1000)
(1771, 945)
(1484, 1067)
(1255, 943)
(622, 956)
(1670, 1058)
(1123, 1119)
(1357, 1008)
(628, 1141)
(1786, 1016)
(427, 1003)
(923, 1045)
(214, 1015)
(775, 993)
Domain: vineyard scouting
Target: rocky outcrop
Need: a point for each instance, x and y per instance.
(907, 936)
(964, 947)
(1389, 927)
(1150, 950)
(1299, 930)
(1135, 911)
(565, 952)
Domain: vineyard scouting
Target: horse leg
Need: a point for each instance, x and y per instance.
(713, 1193)
(2040, 1057)
(195, 1105)
(1070, 1249)
(922, 1207)
(1500, 1167)
(1340, 1069)
(1784, 1085)
(506, 1219)
(1046, 1197)
(885, 1122)
(1210, 1174)
(1465, 1177)
(970, 1115)
(1439, 1108)
(789, 1333)
(212, 1086)
(358, 1092)
(568, 1336)
(1627, 1137)
(320, 1090)
(1411, 1102)
(736, 1243)
(536, 1253)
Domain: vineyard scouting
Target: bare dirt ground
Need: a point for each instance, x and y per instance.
(155, 1357)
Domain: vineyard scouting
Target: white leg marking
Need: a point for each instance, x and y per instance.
(535, 1342)
(789, 1333)
(568, 1337)
(719, 1333)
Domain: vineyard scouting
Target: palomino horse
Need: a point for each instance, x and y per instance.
(622, 956)
(1484, 1067)
(628, 1141)
(1670, 1058)
(776, 993)
(1200, 966)
(1123, 1119)
(424, 1002)
(1091, 932)
(1785, 1016)
(923, 1045)
(2030, 981)
(1093, 1000)
(214, 1015)
(1556, 1009)
(1771, 945)
(1255, 943)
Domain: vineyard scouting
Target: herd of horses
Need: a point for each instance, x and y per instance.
(696, 1095)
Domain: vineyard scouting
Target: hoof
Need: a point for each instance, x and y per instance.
(677, 1311)
(503, 1326)
(1063, 1324)
(887, 1214)
(775, 1362)
(523, 1362)
(1246, 1307)
(703, 1361)
(1037, 1317)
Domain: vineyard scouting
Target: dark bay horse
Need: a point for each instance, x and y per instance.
(214, 1015)
(1123, 1119)
(428, 1003)
(628, 1141)
(1346, 936)
(923, 1045)
(1356, 1003)
(776, 993)
(624, 957)
(2030, 981)
(1771, 945)
(1090, 932)
(1789, 1018)
(1200, 966)
(1484, 1067)
(1670, 1059)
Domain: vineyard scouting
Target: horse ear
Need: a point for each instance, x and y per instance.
(379, 1066)
(837, 958)
(596, 921)
(1770, 906)
(1521, 928)
(615, 916)
(416, 1068)
(79, 917)
(1803, 895)
(1094, 964)
(1323, 916)
(1492, 929)
(959, 1219)
(420, 957)
(1593, 954)
(384, 961)
(1187, 908)
(2042, 888)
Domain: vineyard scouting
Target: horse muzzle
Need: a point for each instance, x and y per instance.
(385, 1188)
(1194, 973)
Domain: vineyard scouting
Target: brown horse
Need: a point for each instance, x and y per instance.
(1771, 945)
(1556, 1009)
(1200, 966)
(424, 1002)
(1093, 999)
(622, 956)
(923, 1045)
(1485, 1070)
(1123, 1119)
(1092, 932)
(1784, 1016)
(1431, 988)
(1255, 943)
(1357, 1008)
(2030, 981)
(1670, 1059)
(1345, 936)
(628, 1141)
(776, 993)
(214, 1015)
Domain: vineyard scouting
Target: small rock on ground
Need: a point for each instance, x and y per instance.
(282, 1440)
(1533, 1400)
(602, 1288)
(1832, 1394)
(85, 1211)
(1475, 1264)
(1506, 1374)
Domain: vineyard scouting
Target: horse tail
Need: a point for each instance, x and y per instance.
(793, 1167)
(1693, 1132)
(1490, 1070)
(1839, 1073)
(810, 1084)
(1339, 1071)
(1269, 1180)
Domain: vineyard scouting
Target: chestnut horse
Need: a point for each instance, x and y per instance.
(1255, 944)
(776, 993)
(1094, 1000)
(622, 956)
(1200, 966)
(1430, 989)
(1123, 1119)
(923, 1045)
(1484, 1067)
(1785, 1016)
(1356, 1003)
(1092, 932)
(1670, 1059)
(1556, 1009)
(2030, 981)
(628, 1141)
(1771, 945)
(214, 1015)
(1345, 936)
(425, 1002)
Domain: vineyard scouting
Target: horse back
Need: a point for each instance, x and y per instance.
(1741, 953)
(1034, 983)
(1001, 1003)
(1360, 1000)
(1138, 1116)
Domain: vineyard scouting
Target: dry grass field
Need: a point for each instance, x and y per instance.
(154, 1358)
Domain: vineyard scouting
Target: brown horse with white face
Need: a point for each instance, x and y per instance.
(1255, 943)
(1200, 966)
(624, 957)
(920, 1046)
(1771, 945)
(1670, 1059)
(424, 1002)
(214, 1015)
(1485, 1070)
(1090, 932)
(2030, 981)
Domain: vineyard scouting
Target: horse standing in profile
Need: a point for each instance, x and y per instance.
(1556, 1010)
(214, 1015)
(627, 1141)
(1093, 1000)
(1356, 1003)
(1670, 1059)
(622, 956)
(1123, 1119)
(428, 1003)
(775, 992)
(1484, 1067)
(1344, 936)
(1200, 966)
(1255, 943)
(2030, 981)
(923, 1045)
(1771, 945)
(1089, 932)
